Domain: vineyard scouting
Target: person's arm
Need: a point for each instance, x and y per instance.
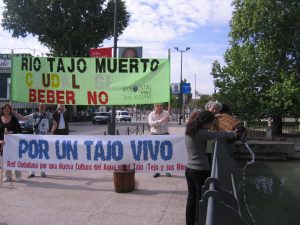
(54, 126)
(165, 118)
(154, 123)
(20, 117)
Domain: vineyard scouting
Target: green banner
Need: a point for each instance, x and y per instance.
(90, 81)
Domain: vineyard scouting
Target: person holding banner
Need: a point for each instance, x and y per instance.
(9, 124)
(42, 122)
(60, 121)
(198, 167)
(158, 121)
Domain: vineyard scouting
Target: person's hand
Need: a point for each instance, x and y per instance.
(165, 119)
(61, 108)
(236, 137)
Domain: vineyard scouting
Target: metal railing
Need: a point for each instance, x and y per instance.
(218, 206)
(138, 129)
(258, 129)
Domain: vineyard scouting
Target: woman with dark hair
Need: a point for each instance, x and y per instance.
(9, 124)
(198, 168)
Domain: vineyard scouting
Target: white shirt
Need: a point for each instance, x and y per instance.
(157, 126)
(61, 124)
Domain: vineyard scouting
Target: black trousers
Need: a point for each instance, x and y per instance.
(195, 179)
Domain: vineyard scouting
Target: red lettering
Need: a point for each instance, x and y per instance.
(60, 97)
(32, 97)
(102, 95)
(70, 97)
(102, 98)
(50, 96)
(92, 98)
(41, 96)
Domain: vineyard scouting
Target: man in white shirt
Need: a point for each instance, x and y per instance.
(158, 120)
(61, 121)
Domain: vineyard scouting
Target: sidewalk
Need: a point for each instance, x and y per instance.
(78, 198)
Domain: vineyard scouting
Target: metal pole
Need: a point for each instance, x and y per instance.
(180, 101)
(111, 128)
(181, 91)
(210, 218)
(195, 86)
(10, 84)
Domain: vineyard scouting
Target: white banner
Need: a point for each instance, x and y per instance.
(153, 153)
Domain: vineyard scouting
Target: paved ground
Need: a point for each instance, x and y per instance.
(87, 199)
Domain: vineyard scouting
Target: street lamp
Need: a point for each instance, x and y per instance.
(180, 95)
(111, 127)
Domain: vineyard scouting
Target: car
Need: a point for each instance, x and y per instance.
(123, 116)
(101, 117)
(26, 126)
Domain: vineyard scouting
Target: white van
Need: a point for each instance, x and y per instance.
(122, 116)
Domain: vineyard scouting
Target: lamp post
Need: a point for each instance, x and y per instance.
(180, 95)
(195, 87)
(111, 127)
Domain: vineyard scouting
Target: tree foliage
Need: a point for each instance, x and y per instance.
(261, 75)
(66, 27)
(201, 101)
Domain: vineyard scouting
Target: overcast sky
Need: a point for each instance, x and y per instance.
(202, 25)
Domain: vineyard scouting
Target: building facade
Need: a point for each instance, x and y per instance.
(5, 85)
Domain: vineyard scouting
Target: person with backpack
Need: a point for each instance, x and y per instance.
(42, 123)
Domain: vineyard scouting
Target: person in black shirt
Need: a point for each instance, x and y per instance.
(9, 124)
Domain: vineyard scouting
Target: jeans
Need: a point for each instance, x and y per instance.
(195, 179)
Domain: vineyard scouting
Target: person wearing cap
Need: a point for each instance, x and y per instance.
(158, 121)
(60, 121)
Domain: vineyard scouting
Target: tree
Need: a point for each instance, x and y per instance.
(66, 27)
(261, 76)
(201, 102)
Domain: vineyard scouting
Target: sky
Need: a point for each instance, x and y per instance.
(202, 25)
